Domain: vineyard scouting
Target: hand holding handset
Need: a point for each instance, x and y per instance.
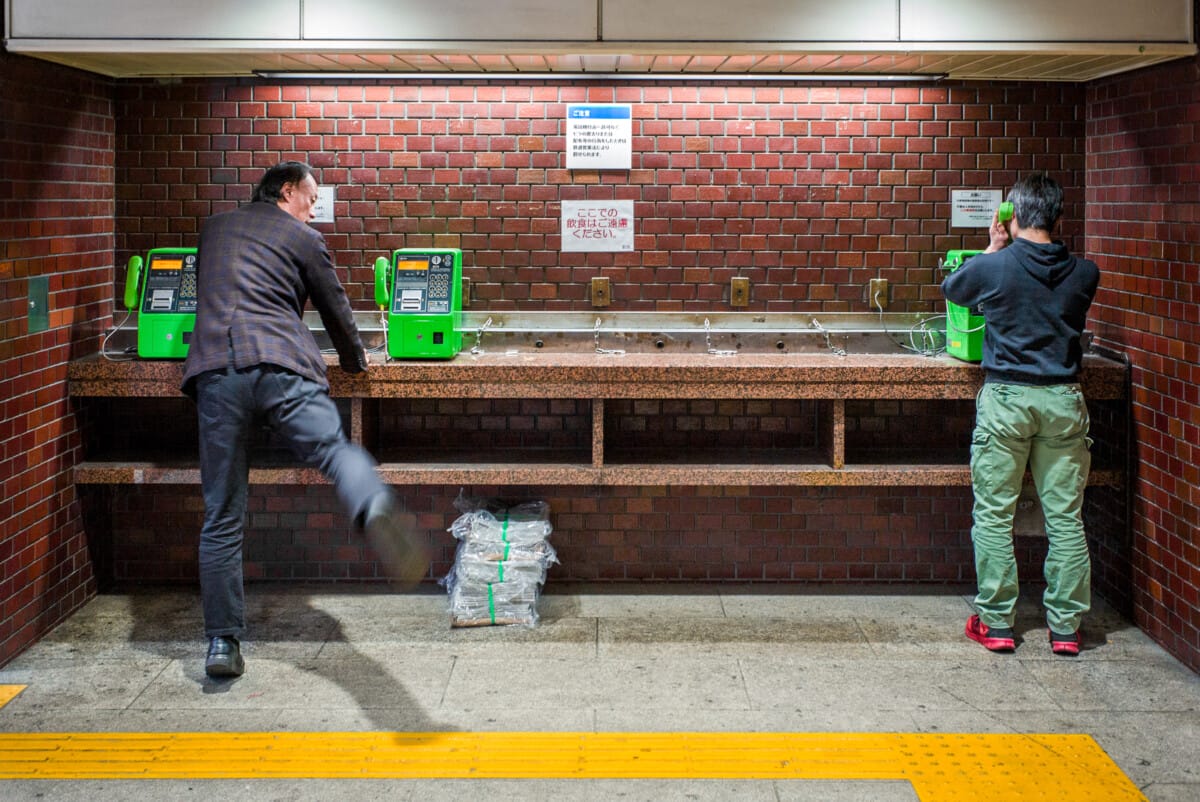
(998, 233)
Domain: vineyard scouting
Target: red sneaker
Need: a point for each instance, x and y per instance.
(993, 639)
(1064, 644)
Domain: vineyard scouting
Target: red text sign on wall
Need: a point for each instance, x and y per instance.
(597, 225)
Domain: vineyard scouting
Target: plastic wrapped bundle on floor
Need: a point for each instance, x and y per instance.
(500, 565)
(486, 604)
(482, 561)
(520, 525)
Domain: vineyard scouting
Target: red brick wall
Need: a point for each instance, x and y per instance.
(1143, 176)
(808, 191)
(814, 534)
(56, 221)
(900, 534)
(890, 534)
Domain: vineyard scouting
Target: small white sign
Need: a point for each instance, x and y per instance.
(323, 209)
(597, 225)
(600, 136)
(974, 208)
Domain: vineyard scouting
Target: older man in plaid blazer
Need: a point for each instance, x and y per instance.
(252, 360)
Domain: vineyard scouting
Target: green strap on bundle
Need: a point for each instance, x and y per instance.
(507, 546)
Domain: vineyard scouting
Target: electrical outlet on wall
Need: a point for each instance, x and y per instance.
(877, 294)
(739, 291)
(600, 291)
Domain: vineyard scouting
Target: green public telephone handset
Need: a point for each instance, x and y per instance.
(133, 277)
(382, 294)
(164, 296)
(1005, 212)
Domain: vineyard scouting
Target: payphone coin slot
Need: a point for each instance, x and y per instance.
(162, 300)
(411, 300)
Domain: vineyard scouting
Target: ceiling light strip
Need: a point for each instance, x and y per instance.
(463, 75)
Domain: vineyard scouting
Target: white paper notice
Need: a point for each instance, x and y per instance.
(324, 205)
(597, 225)
(600, 137)
(974, 208)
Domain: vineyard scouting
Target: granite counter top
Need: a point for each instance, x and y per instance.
(593, 375)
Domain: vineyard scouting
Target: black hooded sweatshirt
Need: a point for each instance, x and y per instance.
(1035, 299)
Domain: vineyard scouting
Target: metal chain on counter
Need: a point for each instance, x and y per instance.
(476, 349)
(596, 338)
(828, 341)
(708, 342)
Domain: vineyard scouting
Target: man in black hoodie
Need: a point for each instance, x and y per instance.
(1034, 296)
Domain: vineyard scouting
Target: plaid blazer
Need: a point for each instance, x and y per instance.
(256, 268)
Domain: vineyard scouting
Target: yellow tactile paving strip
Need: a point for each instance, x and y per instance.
(9, 692)
(945, 767)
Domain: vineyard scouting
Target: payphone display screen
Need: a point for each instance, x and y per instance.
(424, 284)
(170, 283)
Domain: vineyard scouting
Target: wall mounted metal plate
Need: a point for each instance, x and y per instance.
(39, 303)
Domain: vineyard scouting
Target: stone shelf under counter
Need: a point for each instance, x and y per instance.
(825, 382)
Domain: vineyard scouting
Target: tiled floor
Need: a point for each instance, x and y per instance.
(605, 659)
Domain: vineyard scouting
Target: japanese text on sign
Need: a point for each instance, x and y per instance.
(600, 137)
(973, 208)
(597, 225)
(323, 208)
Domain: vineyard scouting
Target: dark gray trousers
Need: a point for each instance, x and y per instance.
(231, 403)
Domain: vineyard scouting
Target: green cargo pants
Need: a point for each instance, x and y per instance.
(1046, 428)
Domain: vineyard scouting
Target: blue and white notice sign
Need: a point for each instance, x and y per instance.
(600, 136)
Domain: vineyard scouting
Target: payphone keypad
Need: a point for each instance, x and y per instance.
(441, 271)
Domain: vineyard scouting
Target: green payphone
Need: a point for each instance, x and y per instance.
(964, 326)
(421, 289)
(165, 301)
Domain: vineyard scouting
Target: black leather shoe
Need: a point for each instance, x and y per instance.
(391, 534)
(224, 658)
